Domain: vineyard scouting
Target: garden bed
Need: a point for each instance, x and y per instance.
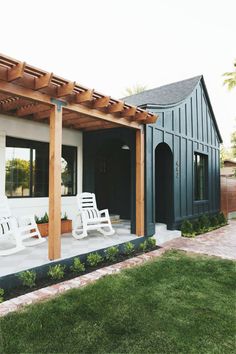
(202, 225)
(127, 252)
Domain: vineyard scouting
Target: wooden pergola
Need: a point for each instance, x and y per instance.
(35, 94)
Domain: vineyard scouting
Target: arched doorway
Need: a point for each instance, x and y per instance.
(113, 178)
(164, 184)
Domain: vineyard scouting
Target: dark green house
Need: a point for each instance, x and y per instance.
(182, 153)
(181, 158)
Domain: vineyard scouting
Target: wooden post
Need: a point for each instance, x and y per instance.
(140, 182)
(54, 239)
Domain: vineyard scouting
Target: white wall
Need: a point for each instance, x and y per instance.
(25, 129)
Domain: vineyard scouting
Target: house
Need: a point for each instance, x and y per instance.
(152, 157)
(46, 126)
(181, 152)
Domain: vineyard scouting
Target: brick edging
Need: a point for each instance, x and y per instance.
(51, 291)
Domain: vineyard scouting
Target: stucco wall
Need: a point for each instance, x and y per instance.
(24, 129)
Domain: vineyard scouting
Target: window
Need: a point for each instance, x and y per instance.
(27, 168)
(200, 171)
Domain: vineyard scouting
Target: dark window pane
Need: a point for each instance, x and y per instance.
(68, 170)
(27, 168)
(17, 172)
(200, 170)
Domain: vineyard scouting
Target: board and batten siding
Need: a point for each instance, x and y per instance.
(186, 128)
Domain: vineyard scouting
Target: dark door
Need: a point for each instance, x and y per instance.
(113, 179)
(164, 184)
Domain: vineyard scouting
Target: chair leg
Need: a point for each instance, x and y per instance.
(109, 232)
(18, 247)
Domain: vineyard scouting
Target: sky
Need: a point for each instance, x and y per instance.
(110, 45)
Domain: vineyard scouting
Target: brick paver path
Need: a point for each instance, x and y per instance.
(220, 242)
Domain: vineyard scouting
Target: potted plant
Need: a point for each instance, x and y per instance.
(43, 224)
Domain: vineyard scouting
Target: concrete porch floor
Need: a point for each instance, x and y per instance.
(36, 256)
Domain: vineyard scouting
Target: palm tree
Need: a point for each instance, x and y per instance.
(231, 78)
(129, 91)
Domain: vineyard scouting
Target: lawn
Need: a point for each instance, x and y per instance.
(178, 303)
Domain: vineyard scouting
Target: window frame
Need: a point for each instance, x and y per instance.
(196, 198)
(34, 144)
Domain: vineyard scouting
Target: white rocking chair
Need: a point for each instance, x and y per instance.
(90, 218)
(17, 229)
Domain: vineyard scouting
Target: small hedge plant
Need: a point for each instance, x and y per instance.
(57, 272)
(148, 244)
(28, 278)
(94, 259)
(1, 295)
(112, 253)
(202, 225)
(187, 229)
(128, 249)
(77, 266)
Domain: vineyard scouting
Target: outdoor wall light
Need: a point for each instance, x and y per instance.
(125, 147)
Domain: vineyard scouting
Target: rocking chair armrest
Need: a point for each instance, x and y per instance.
(104, 211)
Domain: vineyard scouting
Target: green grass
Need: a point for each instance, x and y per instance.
(176, 304)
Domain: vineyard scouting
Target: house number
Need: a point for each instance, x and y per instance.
(177, 169)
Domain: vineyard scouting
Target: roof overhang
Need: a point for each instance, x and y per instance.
(28, 92)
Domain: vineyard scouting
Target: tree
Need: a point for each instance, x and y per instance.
(17, 175)
(233, 141)
(129, 91)
(231, 78)
(225, 154)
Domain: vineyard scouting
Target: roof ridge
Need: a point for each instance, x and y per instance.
(166, 85)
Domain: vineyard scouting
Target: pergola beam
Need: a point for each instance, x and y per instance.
(43, 81)
(116, 107)
(84, 96)
(20, 91)
(101, 102)
(16, 72)
(31, 109)
(66, 89)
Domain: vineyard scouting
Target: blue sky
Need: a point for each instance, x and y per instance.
(113, 44)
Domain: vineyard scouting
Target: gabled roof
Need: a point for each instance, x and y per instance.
(165, 95)
(169, 95)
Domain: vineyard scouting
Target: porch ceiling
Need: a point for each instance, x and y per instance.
(28, 92)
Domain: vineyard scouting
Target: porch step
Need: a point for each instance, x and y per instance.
(115, 218)
(163, 235)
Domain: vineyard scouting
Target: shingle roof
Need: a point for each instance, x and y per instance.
(164, 95)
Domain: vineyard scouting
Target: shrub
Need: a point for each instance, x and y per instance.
(112, 253)
(77, 266)
(143, 246)
(221, 219)
(1, 295)
(214, 221)
(148, 244)
(128, 248)
(57, 272)
(205, 223)
(187, 229)
(151, 243)
(197, 227)
(94, 259)
(28, 278)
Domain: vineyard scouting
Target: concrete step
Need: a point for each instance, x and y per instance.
(160, 227)
(163, 235)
